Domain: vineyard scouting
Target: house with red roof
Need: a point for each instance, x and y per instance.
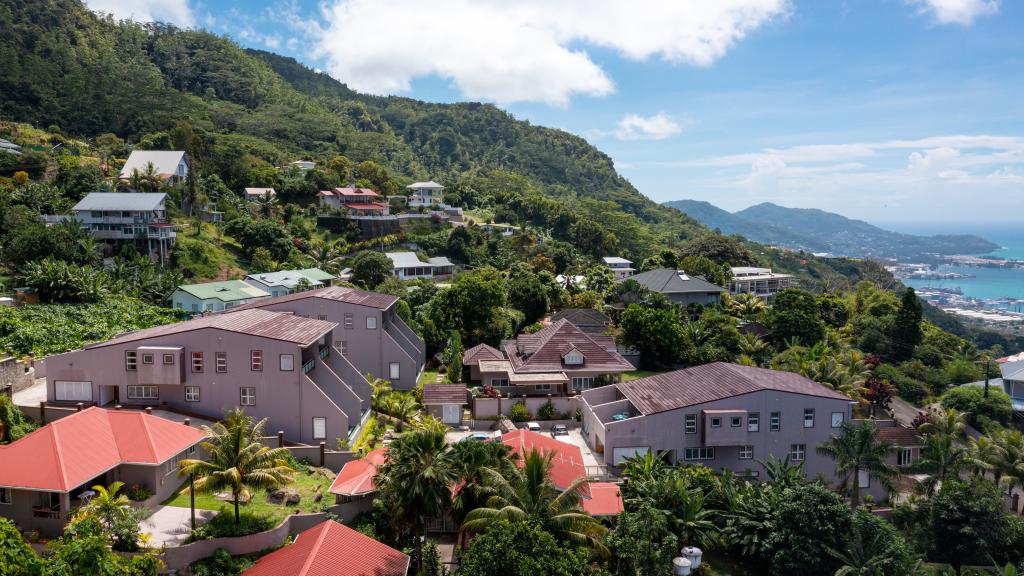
(354, 487)
(558, 360)
(358, 201)
(331, 548)
(48, 473)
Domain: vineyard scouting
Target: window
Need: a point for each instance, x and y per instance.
(348, 321)
(168, 358)
(542, 387)
(809, 418)
(221, 358)
(73, 391)
(797, 452)
(371, 322)
(321, 317)
(582, 382)
(197, 361)
(319, 428)
(691, 424)
(716, 421)
(172, 465)
(775, 424)
(248, 396)
(147, 358)
(746, 452)
(394, 370)
(499, 382)
(904, 457)
(195, 307)
(736, 422)
(699, 454)
(287, 362)
(837, 419)
(863, 479)
(574, 358)
(256, 360)
(131, 360)
(191, 393)
(341, 346)
(5, 496)
(143, 392)
(753, 422)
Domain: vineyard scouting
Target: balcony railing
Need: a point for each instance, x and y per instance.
(308, 366)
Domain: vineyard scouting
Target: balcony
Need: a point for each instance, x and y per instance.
(725, 427)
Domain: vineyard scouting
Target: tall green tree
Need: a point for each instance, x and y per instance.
(795, 316)
(655, 332)
(520, 549)
(453, 357)
(370, 269)
(906, 328)
(855, 449)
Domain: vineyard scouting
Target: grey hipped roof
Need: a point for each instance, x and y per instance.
(125, 201)
(669, 281)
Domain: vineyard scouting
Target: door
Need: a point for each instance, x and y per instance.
(451, 413)
(620, 454)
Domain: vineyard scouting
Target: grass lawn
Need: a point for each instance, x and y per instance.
(260, 505)
(637, 374)
(429, 377)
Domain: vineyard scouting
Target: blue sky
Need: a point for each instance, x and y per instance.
(886, 110)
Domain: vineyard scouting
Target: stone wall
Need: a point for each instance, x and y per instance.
(485, 408)
(15, 374)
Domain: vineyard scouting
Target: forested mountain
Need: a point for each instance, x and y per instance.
(819, 231)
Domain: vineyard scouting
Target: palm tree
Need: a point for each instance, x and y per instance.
(644, 467)
(266, 205)
(746, 306)
(237, 460)
(752, 347)
(982, 454)
(857, 449)
(949, 422)
(781, 473)
(324, 255)
(527, 493)
(471, 461)
(942, 457)
(867, 557)
(1008, 463)
(107, 502)
(415, 483)
(148, 180)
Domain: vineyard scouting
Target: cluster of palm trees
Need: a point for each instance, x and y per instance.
(477, 484)
(843, 368)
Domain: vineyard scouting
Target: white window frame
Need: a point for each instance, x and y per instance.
(247, 396)
(716, 421)
(320, 434)
(371, 322)
(863, 479)
(754, 422)
(192, 393)
(256, 360)
(78, 389)
(131, 360)
(904, 456)
(574, 359)
(699, 453)
(168, 359)
(143, 392)
(746, 452)
(286, 362)
(198, 362)
(220, 360)
(808, 417)
(797, 452)
(349, 321)
(147, 358)
(839, 423)
(775, 422)
(690, 424)
(582, 382)
(394, 370)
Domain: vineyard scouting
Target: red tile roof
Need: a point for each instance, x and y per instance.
(275, 325)
(436, 394)
(481, 352)
(543, 350)
(332, 549)
(605, 499)
(715, 381)
(356, 476)
(899, 436)
(336, 293)
(66, 454)
(354, 192)
(366, 206)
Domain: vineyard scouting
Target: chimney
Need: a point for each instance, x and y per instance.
(187, 422)
(149, 410)
(118, 407)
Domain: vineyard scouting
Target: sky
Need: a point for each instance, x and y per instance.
(885, 110)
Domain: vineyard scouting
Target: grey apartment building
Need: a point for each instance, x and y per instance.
(274, 365)
(725, 416)
(369, 332)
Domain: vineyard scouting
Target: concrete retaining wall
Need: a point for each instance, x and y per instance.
(489, 407)
(15, 374)
(180, 557)
(333, 459)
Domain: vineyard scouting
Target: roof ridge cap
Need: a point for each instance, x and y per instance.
(326, 527)
(149, 435)
(54, 444)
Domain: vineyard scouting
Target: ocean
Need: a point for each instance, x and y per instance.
(988, 283)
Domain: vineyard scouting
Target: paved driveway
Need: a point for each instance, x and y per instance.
(170, 525)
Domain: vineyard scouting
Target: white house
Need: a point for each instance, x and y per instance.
(215, 296)
(761, 282)
(621, 267)
(426, 194)
(286, 281)
(256, 193)
(172, 165)
(408, 266)
(119, 217)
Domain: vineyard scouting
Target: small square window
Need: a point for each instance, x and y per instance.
(168, 358)
(147, 358)
(797, 452)
(371, 322)
(191, 393)
(837, 419)
(287, 362)
(746, 452)
(716, 421)
(736, 422)
(247, 396)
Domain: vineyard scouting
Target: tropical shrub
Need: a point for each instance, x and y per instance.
(980, 410)
(519, 412)
(546, 411)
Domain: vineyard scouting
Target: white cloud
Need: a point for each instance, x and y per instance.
(175, 12)
(523, 51)
(657, 127)
(962, 12)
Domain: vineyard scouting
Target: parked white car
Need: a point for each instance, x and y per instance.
(533, 427)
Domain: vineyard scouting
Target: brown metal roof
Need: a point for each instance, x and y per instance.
(899, 436)
(337, 293)
(275, 325)
(715, 381)
(543, 351)
(481, 352)
(434, 394)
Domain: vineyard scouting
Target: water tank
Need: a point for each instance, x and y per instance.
(693, 554)
(681, 567)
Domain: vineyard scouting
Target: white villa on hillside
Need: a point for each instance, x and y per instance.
(761, 282)
(621, 267)
(172, 165)
(426, 194)
(408, 266)
(118, 217)
(287, 281)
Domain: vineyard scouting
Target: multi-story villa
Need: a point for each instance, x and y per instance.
(621, 267)
(558, 359)
(370, 333)
(761, 282)
(725, 416)
(287, 281)
(408, 266)
(118, 217)
(358, 201)
(426, 194)
(172, 165)
(274, 365)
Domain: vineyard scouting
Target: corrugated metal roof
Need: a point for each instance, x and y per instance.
(337, 293)
(122, 201)
(429, 185)
(164, 161)
(291, 278)
(355, 192)
(405, 260)
(616, 260)
(275, 325)
(899, 436)
(582, 317)
(226, 291)
(715, 381)
(332, 549)
(436, 394)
